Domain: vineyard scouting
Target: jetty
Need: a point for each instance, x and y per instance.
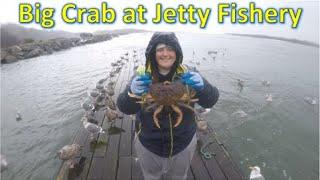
(115, 158)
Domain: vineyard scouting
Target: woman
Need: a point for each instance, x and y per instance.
(166, 151)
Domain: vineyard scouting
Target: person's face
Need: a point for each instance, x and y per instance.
(165, 57)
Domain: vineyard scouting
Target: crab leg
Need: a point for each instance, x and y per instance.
(133, 95)
(186, 106)
(156, 112)
(180, 115)
(151, 106)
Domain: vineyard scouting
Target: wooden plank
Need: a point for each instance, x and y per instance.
(108, 153)
(102, 141)
(211, 165)
(213, 168)
(199, 170)
(87, 150)
(96, 168)
(124, 170)
(125, 142)
(223, 159)
(111, 157)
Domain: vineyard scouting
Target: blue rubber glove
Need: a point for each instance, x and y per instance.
(194, 80)
(140, 84)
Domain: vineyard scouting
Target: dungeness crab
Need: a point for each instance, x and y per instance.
(173, 94)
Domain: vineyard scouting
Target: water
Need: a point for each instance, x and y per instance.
(281, 136)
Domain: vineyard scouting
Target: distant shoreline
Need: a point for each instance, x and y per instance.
(303, 42)
(33, 49)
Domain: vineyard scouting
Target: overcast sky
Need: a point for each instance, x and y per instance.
(308, 27)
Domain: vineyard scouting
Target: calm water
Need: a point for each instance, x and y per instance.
(280, 136)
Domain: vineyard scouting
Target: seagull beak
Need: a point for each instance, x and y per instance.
(250, 167)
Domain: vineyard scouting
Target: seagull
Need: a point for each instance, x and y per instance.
(111, 83)
(240, 114)
(94, 93)
(110, 103)
(240, 83)
(93, 129)
(88, 107)
(112, 115)
(111, 74)
(266, 83)
(99, 86)
(110, 91)
(309, 100)
(268, 97)
(18, 116)
(212, 52)
(102, 80)
(4, 163)
(68, 152)
(100, 100)
(103, 91)
(255, 173)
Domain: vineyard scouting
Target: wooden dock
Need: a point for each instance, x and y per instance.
(116, 158)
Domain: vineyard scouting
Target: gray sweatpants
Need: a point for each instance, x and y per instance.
(155, 167)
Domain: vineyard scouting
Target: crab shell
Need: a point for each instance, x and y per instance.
(167, 93)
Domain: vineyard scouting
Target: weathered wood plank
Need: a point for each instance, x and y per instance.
(223, 159)
(87, 150)
(125, 142)
(124, 170)
(112, 155)
(211, 164)
(199, 170)
(96, 169)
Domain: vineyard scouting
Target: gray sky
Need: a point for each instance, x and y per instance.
(308, 28)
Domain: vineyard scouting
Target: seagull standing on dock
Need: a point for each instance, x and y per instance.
(68, 152)
(112, 115)
(110, 103)
(93, 129)
(255, 173)
(87, 107)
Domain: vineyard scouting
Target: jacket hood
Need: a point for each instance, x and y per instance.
(168, 38)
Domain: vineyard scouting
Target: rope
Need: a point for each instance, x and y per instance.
(207, 154)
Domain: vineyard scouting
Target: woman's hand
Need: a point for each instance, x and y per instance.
(140, 84)
(194, 80)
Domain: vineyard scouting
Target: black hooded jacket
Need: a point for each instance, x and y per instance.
(168, 140)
